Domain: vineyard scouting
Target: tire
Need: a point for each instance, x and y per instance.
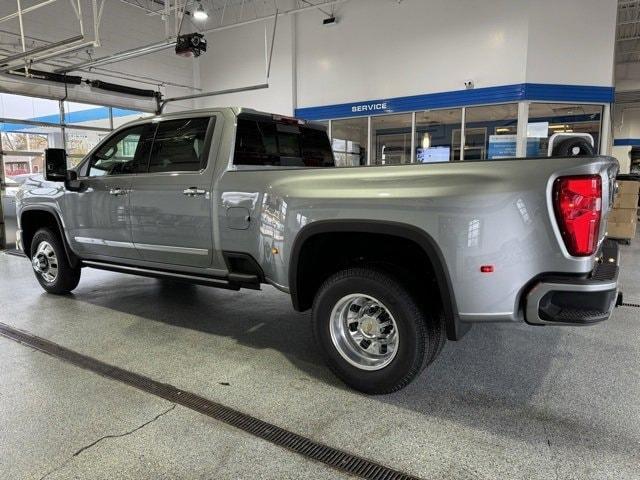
(573, 147)
(418, 335)
(55, 274)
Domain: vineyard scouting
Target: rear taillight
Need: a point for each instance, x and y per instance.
(578, 206)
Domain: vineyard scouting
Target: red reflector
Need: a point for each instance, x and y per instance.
(578, 206)
(486, 268)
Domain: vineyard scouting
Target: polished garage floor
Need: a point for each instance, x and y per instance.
(508, 401)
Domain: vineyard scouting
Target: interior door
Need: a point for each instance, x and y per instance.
(171, 203)
(98, 216)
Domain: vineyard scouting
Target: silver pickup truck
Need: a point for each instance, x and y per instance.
(393, 260)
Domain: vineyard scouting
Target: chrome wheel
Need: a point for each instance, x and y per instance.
(45, 262)
(364, 332)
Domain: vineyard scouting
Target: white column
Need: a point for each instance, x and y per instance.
(606, 141)
(369, 142)
(413, 138)
(521, 136)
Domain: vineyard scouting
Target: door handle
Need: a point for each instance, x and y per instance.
(194, 191)
(117, 192)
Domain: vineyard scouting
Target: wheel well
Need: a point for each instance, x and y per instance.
(326, 253)
(33, 220)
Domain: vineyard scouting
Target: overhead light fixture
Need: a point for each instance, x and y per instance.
(426, 141)
(200, 13)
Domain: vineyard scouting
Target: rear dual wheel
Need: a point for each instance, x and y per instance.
(374, 334)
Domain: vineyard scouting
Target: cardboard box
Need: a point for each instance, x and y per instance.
(623, 215)
(622, 230)
(628, 187)
(626, 201)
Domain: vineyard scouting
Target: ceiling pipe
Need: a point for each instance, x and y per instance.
(156, 47)
(44, 48)
(163, 103)
(118, 57)
(26, 10)
(57, 53)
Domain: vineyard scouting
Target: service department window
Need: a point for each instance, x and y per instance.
(349, 140)
(391, 136)
(490, 132)
(435, 134)
(547, 119)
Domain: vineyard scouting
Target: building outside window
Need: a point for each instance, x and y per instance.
(29, 125)
(349, 139)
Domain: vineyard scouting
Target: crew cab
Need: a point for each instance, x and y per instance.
(393, 260)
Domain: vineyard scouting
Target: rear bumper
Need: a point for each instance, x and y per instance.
(564, 300)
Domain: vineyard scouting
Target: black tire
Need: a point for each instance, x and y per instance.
(67, 277)
(420, 335)
(573, 147)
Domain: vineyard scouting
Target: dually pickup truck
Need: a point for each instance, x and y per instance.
(393, 260)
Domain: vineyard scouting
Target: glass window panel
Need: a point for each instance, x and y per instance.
(80, 142)
(349, 141)
(178, 145)
(490, 132)
(86, 114)
(23, 146)
(264, 142)
(124, 153)
(391, 135)
(547, 119)
(123, 115)
(434, 135)
(29, 108)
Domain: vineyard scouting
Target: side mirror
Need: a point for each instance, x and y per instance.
(55, 164)
(71, 182)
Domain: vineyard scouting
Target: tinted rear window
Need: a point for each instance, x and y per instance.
(265, 142)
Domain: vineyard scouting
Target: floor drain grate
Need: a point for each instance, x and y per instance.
(330, 456)
(625, 304)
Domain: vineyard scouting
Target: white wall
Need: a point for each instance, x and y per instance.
(571, 41)
(236, 58)
(382, 49)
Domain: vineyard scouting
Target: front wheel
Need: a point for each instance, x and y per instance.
(50, 264)
(373, 333)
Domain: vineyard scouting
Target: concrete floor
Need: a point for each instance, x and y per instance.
(508, 401)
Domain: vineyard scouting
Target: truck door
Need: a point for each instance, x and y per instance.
(172, 202)
(97, 216)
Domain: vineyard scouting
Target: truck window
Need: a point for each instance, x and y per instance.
(122, 153)
(179, 145)
(266, 142)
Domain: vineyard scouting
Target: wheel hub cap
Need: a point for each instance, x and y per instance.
(45, 262)
(364, 332)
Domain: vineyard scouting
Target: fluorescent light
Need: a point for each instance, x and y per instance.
(200, 13)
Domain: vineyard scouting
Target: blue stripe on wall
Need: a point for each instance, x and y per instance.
(624, 142)
(459, 98)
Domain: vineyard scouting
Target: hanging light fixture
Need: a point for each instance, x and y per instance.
(200, 13)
